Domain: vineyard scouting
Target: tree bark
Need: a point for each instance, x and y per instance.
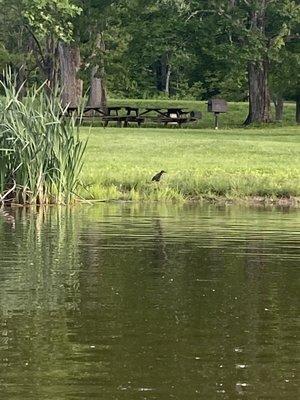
(166, 73)
(46, 57)
(21, 70)
(158, 70)
(51, 64)
(98, 92)
(298, 109)
(259, 98)
(69, 56)
(278, 103)
(163, 74)
(168, 77)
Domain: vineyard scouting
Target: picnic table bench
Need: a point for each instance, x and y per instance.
(132, 115)
(175, 116)
(112, 115)
(170, 115)
(71, 110)
(167, 116)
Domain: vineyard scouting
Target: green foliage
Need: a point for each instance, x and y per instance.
(226, 39)
(152, 39)
(42, 16)
(46, 16)
(40, 155)
(29, 33)
(285, 72)
(205, 46)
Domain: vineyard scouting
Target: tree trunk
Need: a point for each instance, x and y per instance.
(168, 76)
(21, 70)
(259, 99)
(98, 93)
(165, 73)
(97, 97)
(298, 110)
(69, 56)
(50, 65)
(158, 71)
(46, 56)
(278, 103)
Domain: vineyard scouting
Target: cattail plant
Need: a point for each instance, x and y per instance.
(41, 153)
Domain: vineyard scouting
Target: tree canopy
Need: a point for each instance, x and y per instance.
(237, 49)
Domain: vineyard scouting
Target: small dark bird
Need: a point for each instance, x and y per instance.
(156, 178)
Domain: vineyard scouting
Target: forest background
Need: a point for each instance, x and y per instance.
(241, 50)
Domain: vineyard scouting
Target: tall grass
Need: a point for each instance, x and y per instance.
(41, 155)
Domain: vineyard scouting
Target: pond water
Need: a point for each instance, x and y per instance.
(127, 301)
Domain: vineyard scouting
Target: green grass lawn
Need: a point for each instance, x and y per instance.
(235, 163)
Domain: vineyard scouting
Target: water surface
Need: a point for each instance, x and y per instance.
(133, 302)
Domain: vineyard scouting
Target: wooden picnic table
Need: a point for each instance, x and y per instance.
(132, 110)
(177, 110)
(112, 115)
(114, 110)
(158, 110)
(71, 110)
(81, 113)
(166, 112)
(132, 115)
(96, 109)
(168, 115)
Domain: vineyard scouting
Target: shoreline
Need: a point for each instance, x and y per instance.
(257, 201)
(247, 202)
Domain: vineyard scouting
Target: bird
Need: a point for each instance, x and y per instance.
(156, 178)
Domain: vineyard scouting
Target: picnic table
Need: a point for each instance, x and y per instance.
(166, 112)
(112, 115)
(177, 110)
(169, 115)
(158, 110)
(71, 110)
(132, 115)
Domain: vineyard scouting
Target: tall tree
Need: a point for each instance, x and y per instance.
(91, 28)
(158, 49)
(285, 78)
(50, 22)
(269, 25)
(251, 32)
(259, 98)
(39, 25)
(70, 63)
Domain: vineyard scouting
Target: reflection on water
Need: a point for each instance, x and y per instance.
(149, 302)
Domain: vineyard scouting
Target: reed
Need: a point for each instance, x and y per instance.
(41, 154)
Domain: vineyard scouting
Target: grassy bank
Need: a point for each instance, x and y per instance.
(235, 163)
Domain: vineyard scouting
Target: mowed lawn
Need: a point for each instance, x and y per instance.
(200, 163)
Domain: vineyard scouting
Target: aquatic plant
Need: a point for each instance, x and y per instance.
(41, 153)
